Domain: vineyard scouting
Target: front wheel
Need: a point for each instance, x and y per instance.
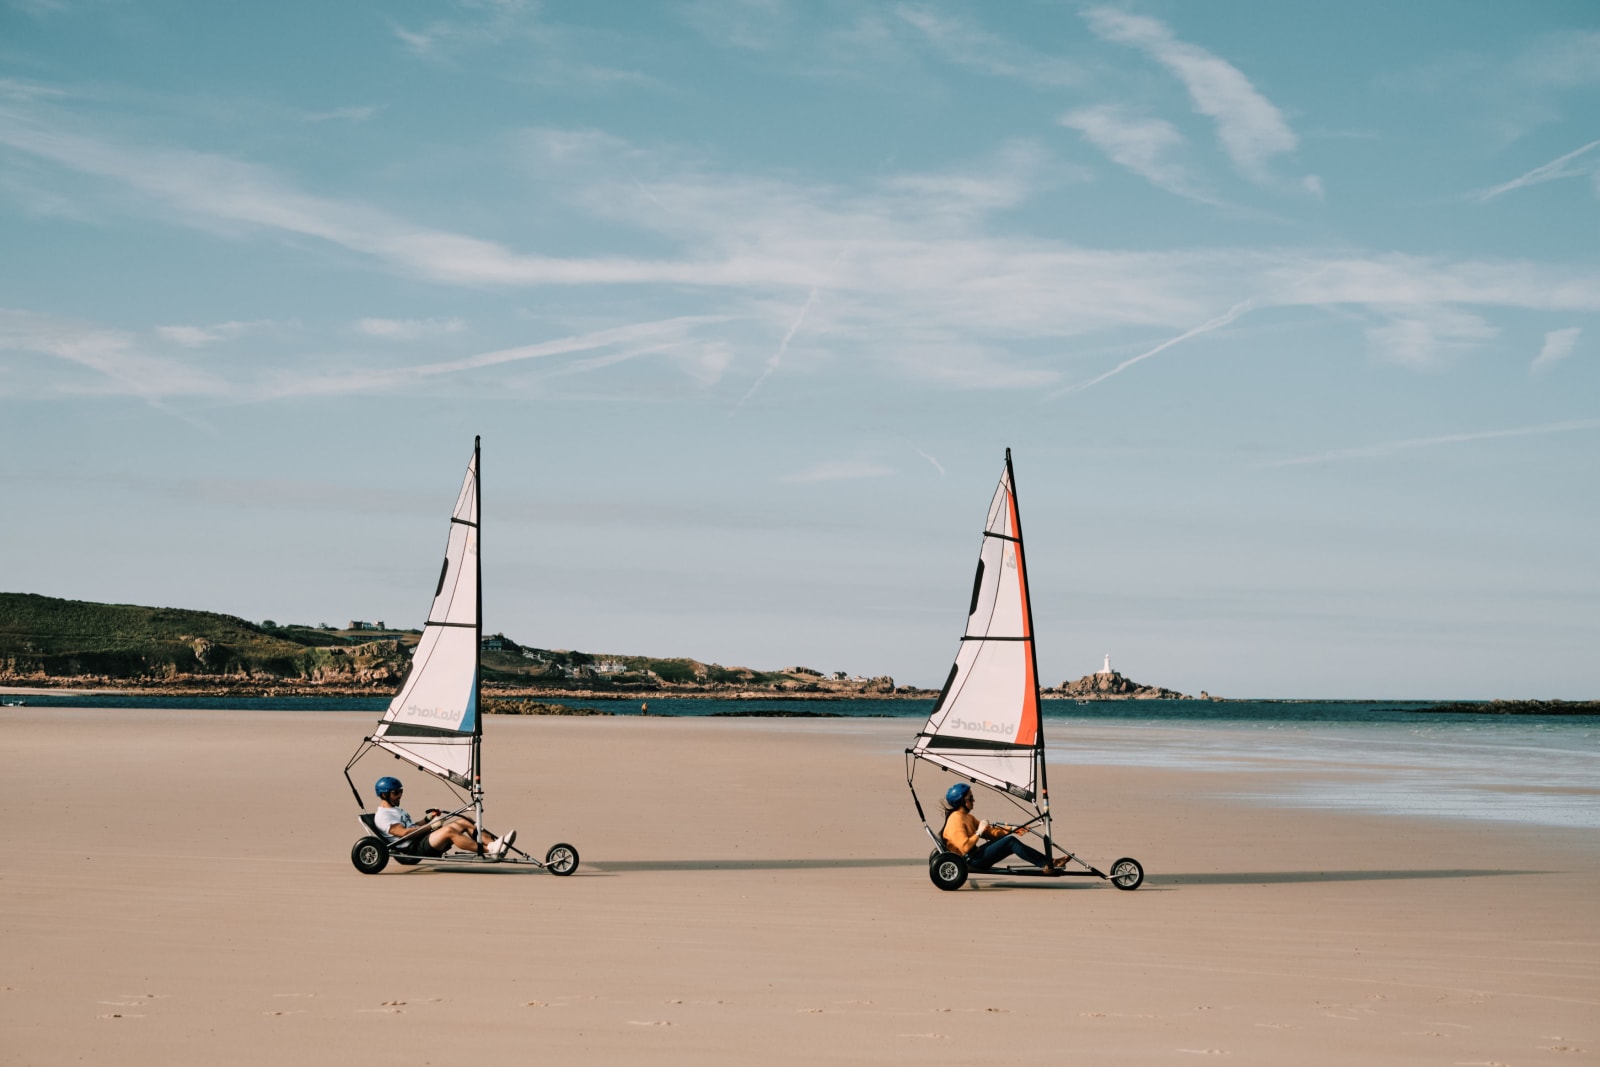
(370, 855)
(1127, 874)
(948, 870)
(562, 859)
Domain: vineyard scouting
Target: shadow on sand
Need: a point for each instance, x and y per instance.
(752, 865)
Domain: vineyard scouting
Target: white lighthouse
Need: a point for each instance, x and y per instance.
(1107, 668)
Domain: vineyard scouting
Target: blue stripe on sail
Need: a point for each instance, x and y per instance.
(469, 721)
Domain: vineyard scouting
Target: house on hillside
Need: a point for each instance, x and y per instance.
(357, 624)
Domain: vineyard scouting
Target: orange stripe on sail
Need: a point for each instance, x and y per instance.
(1028, 720)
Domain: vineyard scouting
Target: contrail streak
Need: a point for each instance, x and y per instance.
(1205, 327)
(1373, 451)
(783, 346)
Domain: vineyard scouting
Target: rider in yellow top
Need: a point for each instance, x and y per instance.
(983, 845)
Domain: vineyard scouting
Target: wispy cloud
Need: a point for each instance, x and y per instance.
(1143, 145)
(625, 342)
(1252, 131)
(115, 357)
(199, 336)
(359, 113)
(936, 464)
(1562, 167)
(1558, 345)
(1386, 448)
(969, 45)
(1428, 338)
(931, 286)
(1205, 327)
(840, 470)
(409, 329)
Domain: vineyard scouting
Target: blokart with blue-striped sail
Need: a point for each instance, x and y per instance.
(435, 723)
(986, 728)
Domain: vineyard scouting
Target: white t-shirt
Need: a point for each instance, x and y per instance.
(387, 818)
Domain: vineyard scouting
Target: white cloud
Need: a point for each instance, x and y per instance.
(909, 271)
(969, 45)
(118, 363)
(1428, 338)
(1558, 346)
(840, 470)
(1389, 447)
(409, 329)
(198, 336)
(1143, 145)
(1251, 129)
(360, 113)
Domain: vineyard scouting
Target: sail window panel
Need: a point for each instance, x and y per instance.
(448, 758)
(991, 695)
(467, 502)
(441, 690)
(999, 609)
(457, 600)
(1002, 519)
(1012, 772)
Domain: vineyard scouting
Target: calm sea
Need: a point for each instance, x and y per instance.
(1380, 757)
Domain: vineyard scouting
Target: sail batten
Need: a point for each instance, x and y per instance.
(985, 725)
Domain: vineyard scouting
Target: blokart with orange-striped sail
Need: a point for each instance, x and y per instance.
(435, 723)
(986, 728)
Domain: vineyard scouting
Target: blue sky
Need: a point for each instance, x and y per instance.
(1289, 313)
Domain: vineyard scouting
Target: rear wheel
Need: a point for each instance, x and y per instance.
(948, 870)
(562, 859)
(1127, 874)
(370, 855)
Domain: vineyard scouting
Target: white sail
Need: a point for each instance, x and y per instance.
(433, 722)
(986, 723)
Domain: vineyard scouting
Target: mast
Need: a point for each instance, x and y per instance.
(477, 674)
(1033, 653)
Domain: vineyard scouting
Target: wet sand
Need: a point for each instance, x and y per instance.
(179, 890)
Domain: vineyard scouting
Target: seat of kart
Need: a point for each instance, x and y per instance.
(403, 846)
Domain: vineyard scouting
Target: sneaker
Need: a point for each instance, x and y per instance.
(497, 848)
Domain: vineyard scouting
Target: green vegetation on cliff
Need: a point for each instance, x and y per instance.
(43, 638)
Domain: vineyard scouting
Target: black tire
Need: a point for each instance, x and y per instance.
(370, 855)
(1127, 874)
(562, 859)
(948, 870)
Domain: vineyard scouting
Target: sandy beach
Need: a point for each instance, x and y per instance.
(181, 892)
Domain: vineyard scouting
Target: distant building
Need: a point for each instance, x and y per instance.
(357, 624)
(1107, 668)
(610, 666)
(494, 643)
(841, 676)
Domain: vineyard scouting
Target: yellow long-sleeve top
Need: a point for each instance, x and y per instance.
(961, 832)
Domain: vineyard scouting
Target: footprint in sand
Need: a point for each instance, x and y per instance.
(1205, 1051)
(119, 1015)
(296, 1011)
(648, 1022)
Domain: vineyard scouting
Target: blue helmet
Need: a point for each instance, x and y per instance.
(957, 795)
(387, 784)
